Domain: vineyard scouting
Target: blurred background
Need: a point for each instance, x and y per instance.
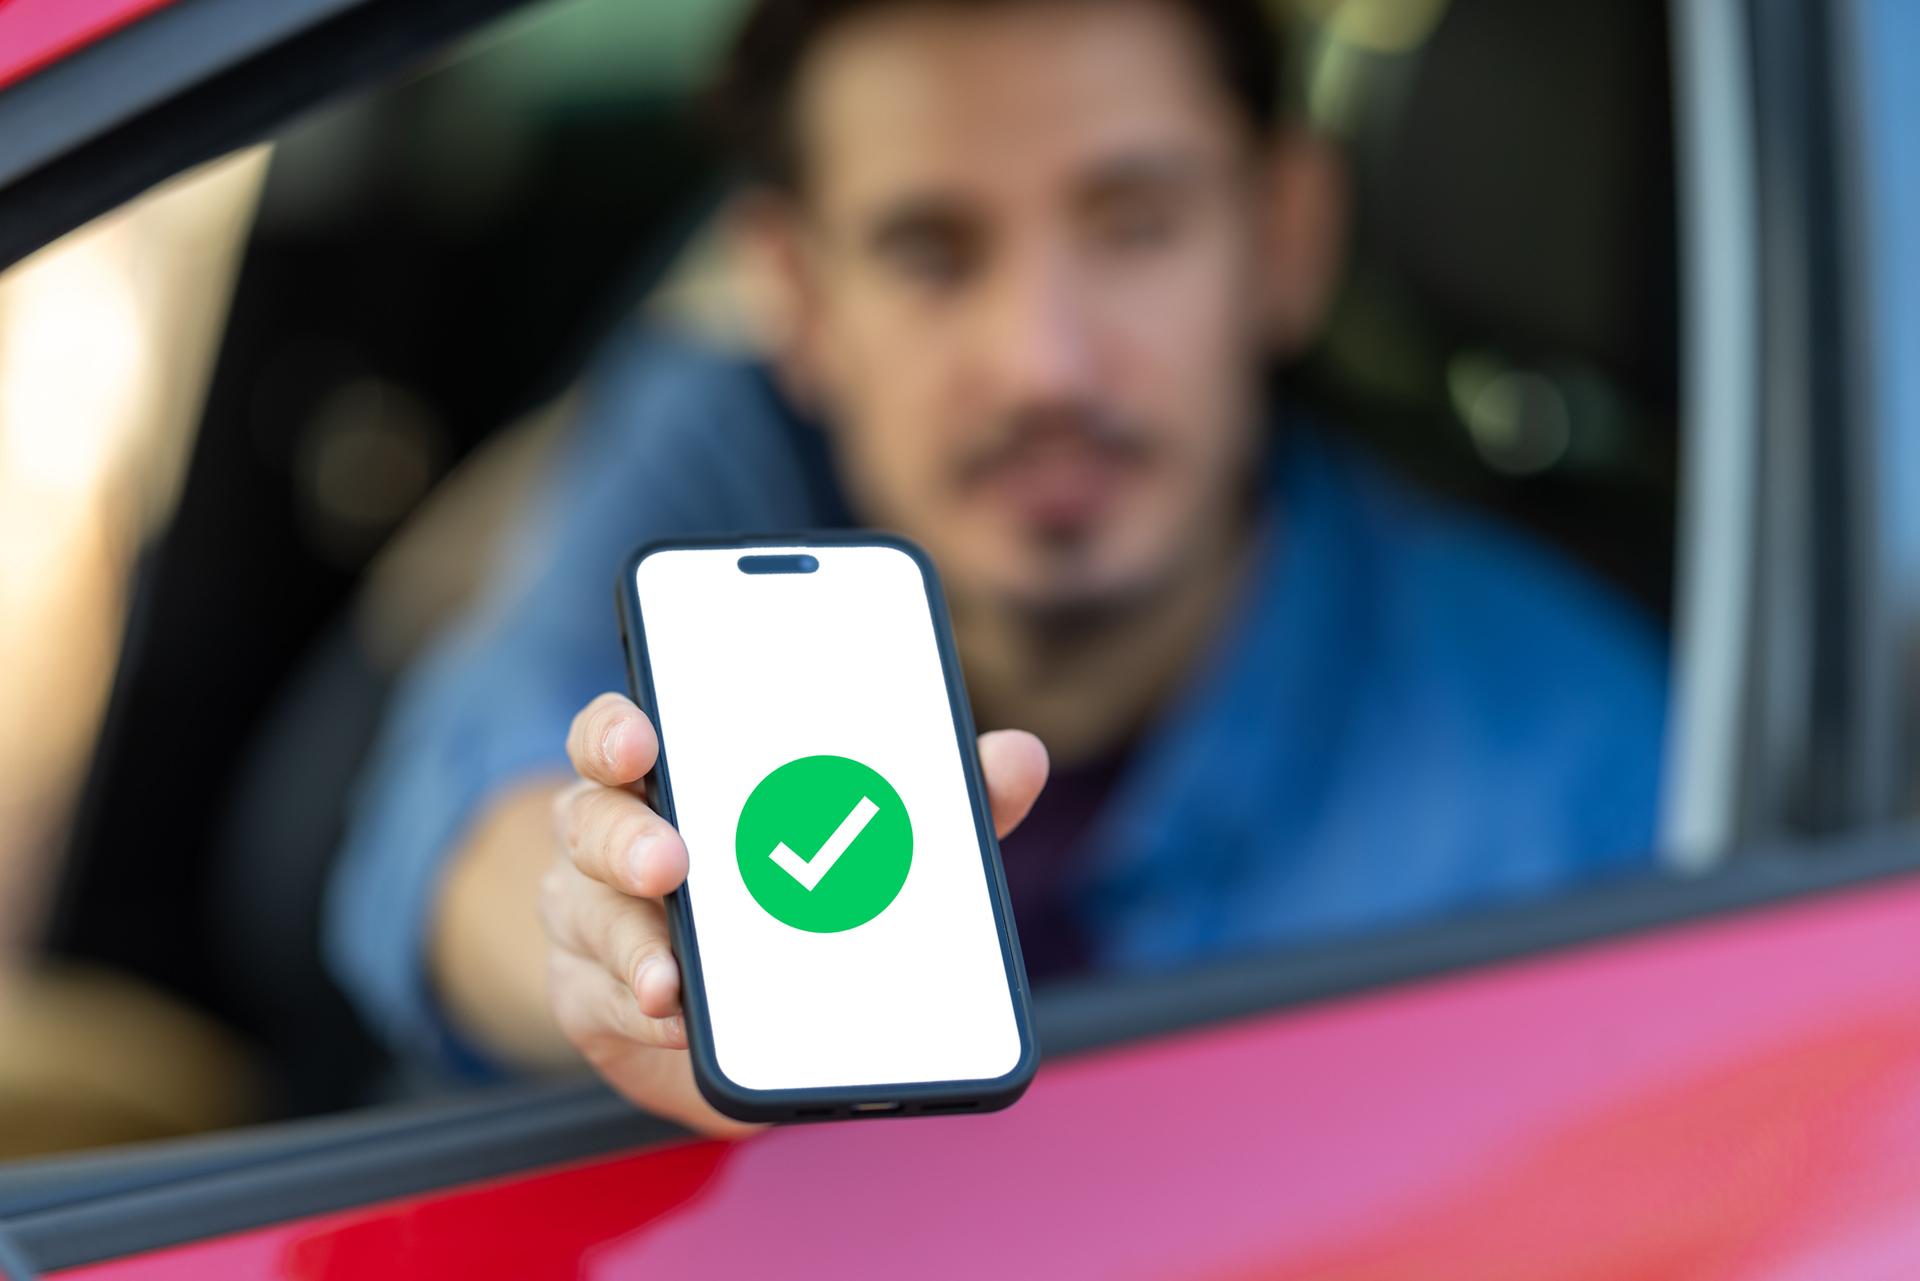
(260, 431)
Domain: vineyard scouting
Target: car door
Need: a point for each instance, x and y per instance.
(1714, 1070)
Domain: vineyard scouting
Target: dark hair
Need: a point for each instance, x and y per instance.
(753, 97)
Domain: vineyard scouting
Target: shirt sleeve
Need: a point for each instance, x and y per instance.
(672, 439)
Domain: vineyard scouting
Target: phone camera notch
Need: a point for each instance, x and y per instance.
(799, 563)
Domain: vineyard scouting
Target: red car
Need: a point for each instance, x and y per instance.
(1711, 1073)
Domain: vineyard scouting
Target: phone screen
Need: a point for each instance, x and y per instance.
(841, 905)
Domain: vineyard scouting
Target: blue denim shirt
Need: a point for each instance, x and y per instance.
(1413, 711)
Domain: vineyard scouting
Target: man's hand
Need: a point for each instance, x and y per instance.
(613, 984)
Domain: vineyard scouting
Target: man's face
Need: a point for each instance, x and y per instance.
(1027, 248)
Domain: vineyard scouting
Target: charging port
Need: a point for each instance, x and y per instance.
(876, 1107)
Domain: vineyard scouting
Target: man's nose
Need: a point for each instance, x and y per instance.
(1040, 339)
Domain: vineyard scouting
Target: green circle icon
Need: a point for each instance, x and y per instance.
(824, 844)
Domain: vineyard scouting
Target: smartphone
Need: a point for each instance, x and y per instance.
(845, 940)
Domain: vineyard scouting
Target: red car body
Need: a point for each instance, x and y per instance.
(35, 33)
(1735, 1098)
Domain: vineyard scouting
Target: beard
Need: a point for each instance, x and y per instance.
(1052, 466)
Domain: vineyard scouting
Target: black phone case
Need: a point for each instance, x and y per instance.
(828, 1103)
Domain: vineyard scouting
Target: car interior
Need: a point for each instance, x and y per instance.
(432, 263)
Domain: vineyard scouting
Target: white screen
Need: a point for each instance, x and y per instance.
(752, 671)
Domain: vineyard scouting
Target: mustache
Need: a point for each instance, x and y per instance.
(1030, 431)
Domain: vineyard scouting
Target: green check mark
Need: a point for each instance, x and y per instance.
(824, 843)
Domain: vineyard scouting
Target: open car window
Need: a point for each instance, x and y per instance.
(423, 270)
(267, 433)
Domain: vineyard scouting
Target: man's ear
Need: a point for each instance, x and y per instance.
(768, 232)
(1305, 207)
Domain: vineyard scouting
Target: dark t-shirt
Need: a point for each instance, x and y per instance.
(1040, 857)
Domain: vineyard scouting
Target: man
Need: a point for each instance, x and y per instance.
(1026, 261)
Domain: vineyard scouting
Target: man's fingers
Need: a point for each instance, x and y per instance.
(662, 1083)
(1014, 766)
(612, 836)
(636, 1054)
(612, 742)
(591, 1006)
(627, 936)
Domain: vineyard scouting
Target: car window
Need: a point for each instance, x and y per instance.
(283, 428)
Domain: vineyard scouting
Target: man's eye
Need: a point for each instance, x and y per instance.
(1140, 225)
(931, 259)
